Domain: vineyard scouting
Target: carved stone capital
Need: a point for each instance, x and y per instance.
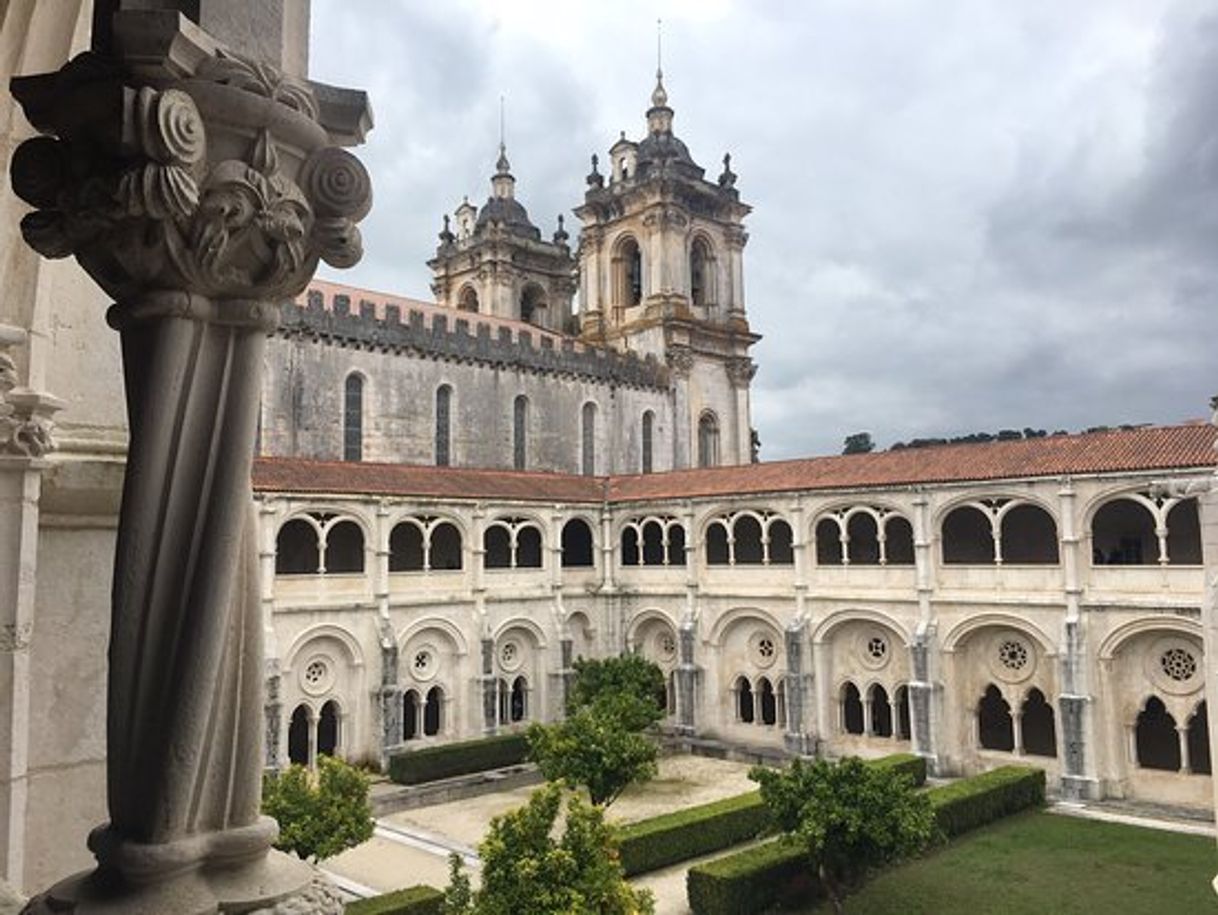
(740, 371)
(680, 360)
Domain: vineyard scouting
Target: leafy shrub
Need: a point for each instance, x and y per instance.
(319, 815)
(451, 759)
(634, 685)
(973, 802)
(415, 900)
(906, 763)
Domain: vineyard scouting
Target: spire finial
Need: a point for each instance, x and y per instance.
(659, 98)
(502, 167)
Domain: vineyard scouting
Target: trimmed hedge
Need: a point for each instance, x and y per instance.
(752, 880)
(660, 841)
(415, 900)
(973, 802)
(684, 834)
(450, 759)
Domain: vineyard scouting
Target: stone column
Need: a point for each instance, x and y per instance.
(390, 695)
(1074, 697)
(490, 706)
(924, 688)
(687, 680)
(198, 188)
(796, 739)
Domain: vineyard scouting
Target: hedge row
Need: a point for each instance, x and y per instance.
(415, 900)
(754, 879)
(660, 841)
(450, 759)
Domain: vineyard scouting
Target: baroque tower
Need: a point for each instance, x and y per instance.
(496, 263)
(661, 273)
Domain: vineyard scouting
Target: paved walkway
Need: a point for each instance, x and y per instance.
(1161, 819)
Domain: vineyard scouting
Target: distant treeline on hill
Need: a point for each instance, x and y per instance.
(1002, 435)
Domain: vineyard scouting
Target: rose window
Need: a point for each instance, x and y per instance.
(1013, 655)
(668, 646)
(1178, 664)
(510, 656)
(877, 648)
(423, 663)
(765, 649)
(315, 673)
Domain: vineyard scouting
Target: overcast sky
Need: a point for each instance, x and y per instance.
(967, 215)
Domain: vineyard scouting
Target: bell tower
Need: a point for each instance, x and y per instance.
(661, 273)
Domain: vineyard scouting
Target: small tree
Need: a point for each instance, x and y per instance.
(595, 747)
(526, 869)
(858, 443)
(630, 683)
(319, 816)
(848, 816)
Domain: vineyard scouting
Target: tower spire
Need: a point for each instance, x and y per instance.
(502, 167)
(659, 97)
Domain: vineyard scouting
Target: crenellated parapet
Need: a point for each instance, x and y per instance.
(465, 339)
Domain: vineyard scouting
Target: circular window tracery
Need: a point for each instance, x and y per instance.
(873, 649)
(764, 649)
(1178, 664)
(424, 663)
(1012, 658)
(1013, 655)
(1174, 665)
(317, 676)
(510, 655)
(666, 646)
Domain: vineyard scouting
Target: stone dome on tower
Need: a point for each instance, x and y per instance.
(661, 147)
(502, 208)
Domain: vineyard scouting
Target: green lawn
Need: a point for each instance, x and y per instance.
(1047, 864)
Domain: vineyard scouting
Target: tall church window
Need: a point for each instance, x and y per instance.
(649, 422)
(699, 272)
(468, 300)
(629, 273)
(520, 416)
(708, 440)
(353, 418)
(444, 396)
(588, 437)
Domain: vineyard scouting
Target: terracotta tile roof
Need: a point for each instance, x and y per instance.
(1145, 449)
(294, 475)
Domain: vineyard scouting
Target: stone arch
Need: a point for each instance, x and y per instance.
(627, 264)
(467, 299)
(702, 260)
(449, 629)
(587, 437)
(533, 303)
(1116, 639)
(355, 387)
(655, 635)
(355, 655)
(578, 543)
(966, 628)
(855, 615)
(730, 618)
(298, 547)
(642, 617)
(1123, 531)
(708, 439)
(523, 623)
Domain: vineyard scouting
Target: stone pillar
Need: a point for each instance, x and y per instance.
(198, 188)
(273, 712)
(490, 706)
(390, 695)
(1078, 780)
(797, 739)
(687, 680)
(25, 440)
(924, 690)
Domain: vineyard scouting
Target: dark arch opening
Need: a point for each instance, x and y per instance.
(533, 304)
(864, 547)
(298, 736)
(468, 300)
(903, 729)
(528, 547)
(630, 280)
(1158, 744)
(577, 544)
(1123, 534)
(852, 709)
(1199, 741)
(968, 538)
(1029, 536)
(828, 543)
(433, 712)
(676, 545)
(406, 548)
(653, 544)
(699, 257)
(505, 700)
(353, 418)
(744, 700)
(296, 548)
(345, 548)
(769, 707)
(716, 544)
(881, 711)
(747, 535)
(327, 729)
(444, 397)
(1184, 534)
(782, 550)
(444, 547)
(587, 426)
(520, 699)
(630, 547)
(898, 541)
(1036, 723)
(708, 440)
(995, 728)
(497, 547)
(520, 419)
(410, 715)
(649, 422)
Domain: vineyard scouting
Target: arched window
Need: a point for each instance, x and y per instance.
(406, 548)
(1184, 535)
(1199, 741)
(1029, 536)
(520, 418)
(699, 272)
(744, 700)
(410, 715)
(676, 545)
(353, 418)
(298, 736)
(881, 711)
(716, 544)
(588, 439)
(296, 548)
(1036, 725)
(444, 547)
(327, 729)
(995, 729)
(577, 544)
(852, 709)
(968, 538)
(505, 700)
(864, 545)
(433, 712)
(708, 440)
(903, 730)
(345, 548)
(468, 300)
(653, 544)
(528, 548)
(533, 304)
(828, 543)
(649, 422)
(1123, 534)
(670, 693)
(1158, 744)
(497, 547)
(444, 396)
(629, 263)
(520, 699)
(747, 545)
(782, 552)
(630, 547)
(898, 541)
(769, 707)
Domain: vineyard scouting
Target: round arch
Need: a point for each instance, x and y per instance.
(1113, 642)
(355, 654)
(521, 622)
(858, 615)
(979, 498)
(438, 623)
(965, 628)
(739, 614)
(643, 617)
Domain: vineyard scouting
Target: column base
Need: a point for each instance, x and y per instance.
(1080, 788)
(278, 884)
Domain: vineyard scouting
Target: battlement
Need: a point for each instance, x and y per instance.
(442, 333)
